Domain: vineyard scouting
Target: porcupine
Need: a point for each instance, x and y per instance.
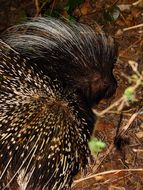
(51, 74)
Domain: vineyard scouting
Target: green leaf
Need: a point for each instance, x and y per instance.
(67, 7)
(72, 19)
(129, 94)
(96, 145)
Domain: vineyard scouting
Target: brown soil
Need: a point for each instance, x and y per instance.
(120, 165)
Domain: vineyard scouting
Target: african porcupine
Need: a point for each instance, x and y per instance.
(50, 76)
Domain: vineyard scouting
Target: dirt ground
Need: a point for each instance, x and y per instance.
(120, 165)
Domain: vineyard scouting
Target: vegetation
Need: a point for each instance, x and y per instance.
(118, 151)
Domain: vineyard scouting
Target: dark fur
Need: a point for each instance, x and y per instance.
(51, 74)
(76, 55)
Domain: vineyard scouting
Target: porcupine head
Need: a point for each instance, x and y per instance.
(51, 74)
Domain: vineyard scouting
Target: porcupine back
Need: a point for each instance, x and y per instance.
(43, 127)
(74, 54)
(48, 83)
